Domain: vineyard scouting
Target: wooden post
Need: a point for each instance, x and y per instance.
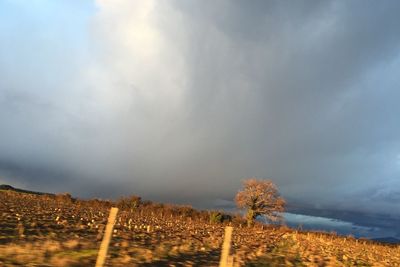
(225, 260)
(101, 257)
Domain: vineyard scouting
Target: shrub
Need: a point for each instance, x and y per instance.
(129, 203)
(65, 197)
(219, 217)
(216, 217)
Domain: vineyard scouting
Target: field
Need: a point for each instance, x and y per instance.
(47, 230)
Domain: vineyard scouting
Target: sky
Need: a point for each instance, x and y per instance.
(179, 101)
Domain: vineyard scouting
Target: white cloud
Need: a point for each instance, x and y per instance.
(327, 224)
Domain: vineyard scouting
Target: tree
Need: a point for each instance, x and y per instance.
(260, 198)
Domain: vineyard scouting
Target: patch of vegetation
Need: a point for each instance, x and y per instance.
(78, 254)
(219, 217)
(62, 232)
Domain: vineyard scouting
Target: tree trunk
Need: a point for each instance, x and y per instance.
(250, 217)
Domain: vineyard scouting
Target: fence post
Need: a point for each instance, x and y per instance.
(101, 257)
(226, 260)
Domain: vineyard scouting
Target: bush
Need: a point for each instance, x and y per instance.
(65, 197)
(219, 217)
(129, 203)
(216, 217)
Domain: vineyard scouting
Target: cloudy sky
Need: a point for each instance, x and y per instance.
(179, 101)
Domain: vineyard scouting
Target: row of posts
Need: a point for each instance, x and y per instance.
(225, 261)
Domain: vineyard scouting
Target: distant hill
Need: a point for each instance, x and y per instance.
(389, 240)
(10, 188)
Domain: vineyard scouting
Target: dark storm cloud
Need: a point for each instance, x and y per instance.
(39, 179)
(179, 101)
(307, 89)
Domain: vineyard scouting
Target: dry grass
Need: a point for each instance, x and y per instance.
(60, 231)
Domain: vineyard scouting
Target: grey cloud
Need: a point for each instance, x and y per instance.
(304, 96)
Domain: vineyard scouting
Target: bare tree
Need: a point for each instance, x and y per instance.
(260, 198)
